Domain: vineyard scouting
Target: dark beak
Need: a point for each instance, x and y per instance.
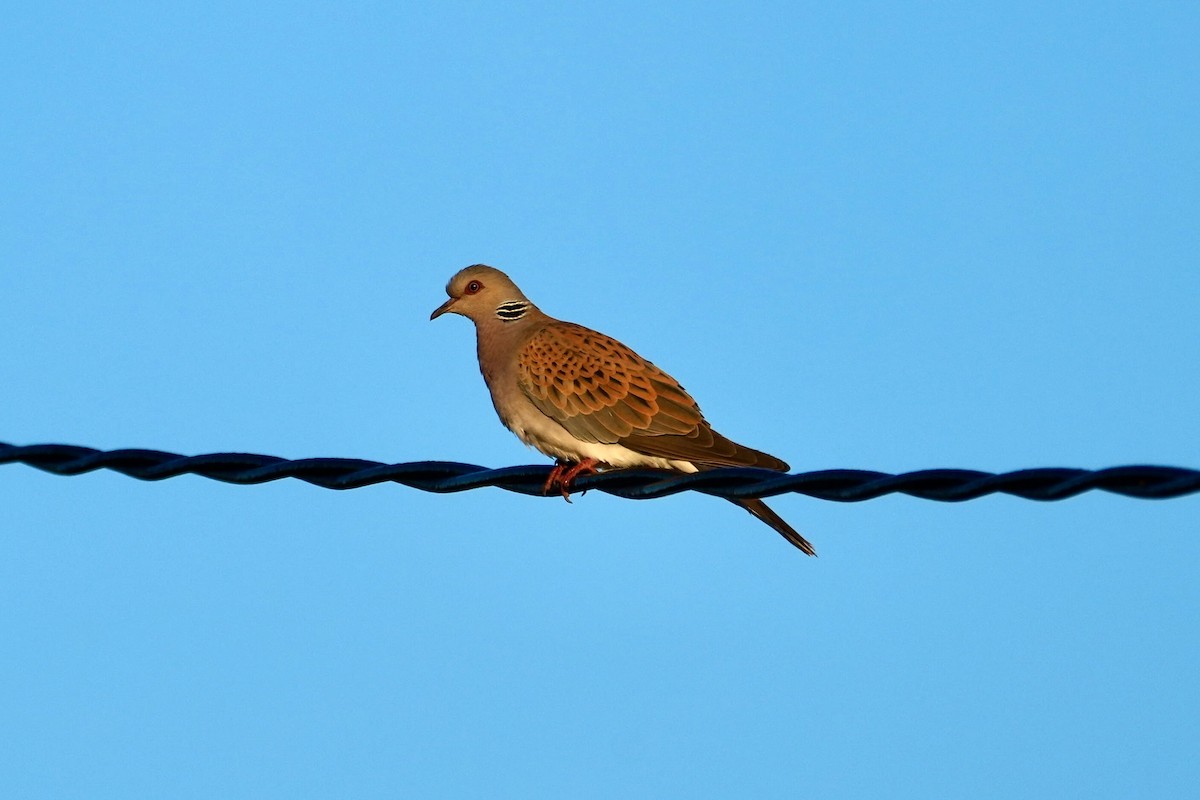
(442, 309)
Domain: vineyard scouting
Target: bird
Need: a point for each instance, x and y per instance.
(588, 401)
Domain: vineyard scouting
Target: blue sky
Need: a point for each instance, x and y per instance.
(863, 235)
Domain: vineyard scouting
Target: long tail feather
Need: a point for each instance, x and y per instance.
(760, 509)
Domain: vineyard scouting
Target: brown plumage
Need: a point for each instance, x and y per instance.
(586, 399)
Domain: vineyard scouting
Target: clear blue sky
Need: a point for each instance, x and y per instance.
(863, 235)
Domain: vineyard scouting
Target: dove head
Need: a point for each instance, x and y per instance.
(483, 294)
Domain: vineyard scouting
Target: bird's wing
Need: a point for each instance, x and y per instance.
(601, 391)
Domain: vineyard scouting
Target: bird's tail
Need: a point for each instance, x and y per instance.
(760, 509)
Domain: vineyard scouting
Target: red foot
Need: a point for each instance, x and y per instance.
(563, 473)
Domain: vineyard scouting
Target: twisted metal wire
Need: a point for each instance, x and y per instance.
(842, 485)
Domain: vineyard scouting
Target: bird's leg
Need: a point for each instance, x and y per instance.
(585, 467)
(564, 472)
(555, 477)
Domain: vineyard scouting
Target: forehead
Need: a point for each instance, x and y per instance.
(478, 273)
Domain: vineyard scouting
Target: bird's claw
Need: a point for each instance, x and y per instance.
(563, 474)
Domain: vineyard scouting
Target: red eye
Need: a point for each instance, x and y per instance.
(473, 287)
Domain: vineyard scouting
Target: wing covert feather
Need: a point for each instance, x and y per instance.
(601, 391)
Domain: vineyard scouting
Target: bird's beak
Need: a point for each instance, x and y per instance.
(442, 309)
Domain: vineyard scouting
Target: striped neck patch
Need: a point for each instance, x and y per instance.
(512, 310)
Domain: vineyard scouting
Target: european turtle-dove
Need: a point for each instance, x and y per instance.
(587, 400)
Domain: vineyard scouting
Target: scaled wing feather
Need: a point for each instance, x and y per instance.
(603, 392)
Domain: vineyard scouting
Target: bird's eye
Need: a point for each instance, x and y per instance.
(473, 287)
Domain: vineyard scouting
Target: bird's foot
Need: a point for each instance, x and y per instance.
(564, 473)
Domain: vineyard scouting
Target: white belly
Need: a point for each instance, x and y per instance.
(545, 435)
